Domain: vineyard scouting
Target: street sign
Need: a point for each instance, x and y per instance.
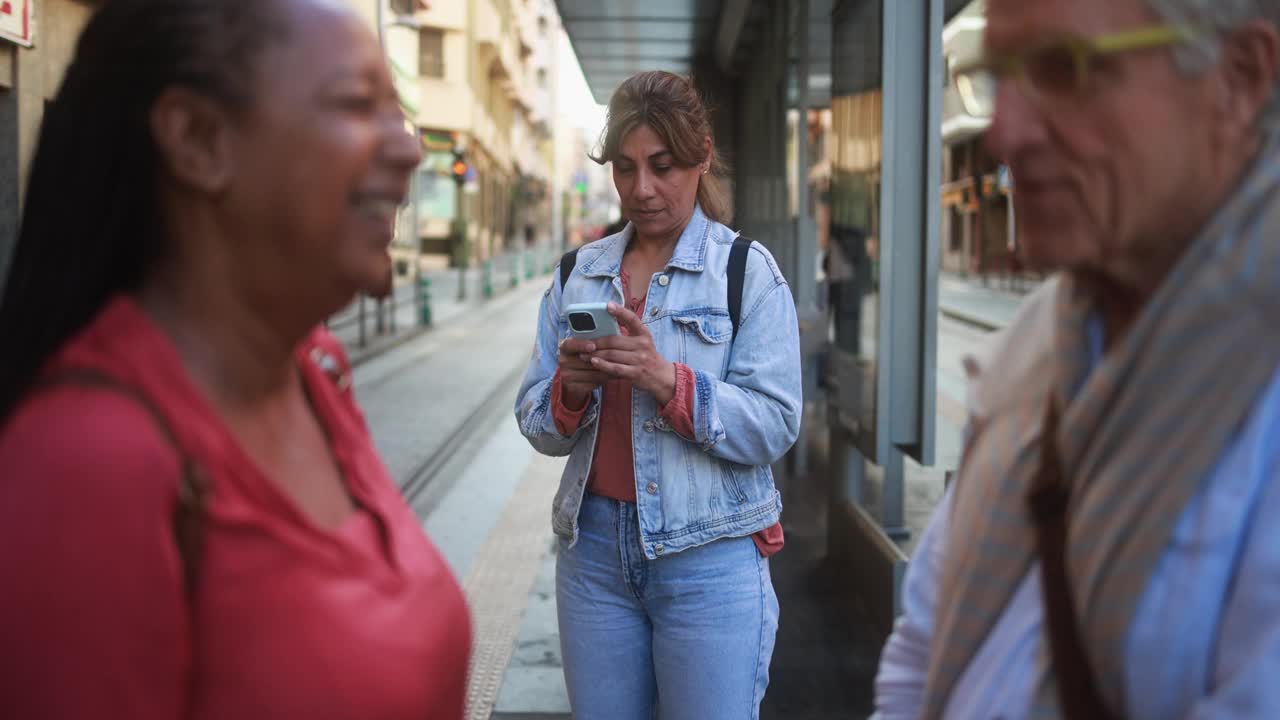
(17, 21)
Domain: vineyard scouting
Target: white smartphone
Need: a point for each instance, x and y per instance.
(591, 320)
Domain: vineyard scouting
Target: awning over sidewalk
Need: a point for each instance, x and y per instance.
(615, 39)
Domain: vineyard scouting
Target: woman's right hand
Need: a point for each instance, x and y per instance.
(577, 377)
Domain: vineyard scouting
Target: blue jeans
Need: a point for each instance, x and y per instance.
(685, 637)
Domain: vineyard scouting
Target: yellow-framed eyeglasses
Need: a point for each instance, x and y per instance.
(1059, 69)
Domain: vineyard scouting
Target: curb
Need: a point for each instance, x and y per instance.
(366, 354)
(967, 318)
(359, 356)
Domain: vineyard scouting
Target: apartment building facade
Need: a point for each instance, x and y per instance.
(486, 73)
(37, 40)
(978, 236)
(473, 75)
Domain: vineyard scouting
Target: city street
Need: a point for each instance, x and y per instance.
(440, 408)
(198, 195)
(496, 135)
(401, 312)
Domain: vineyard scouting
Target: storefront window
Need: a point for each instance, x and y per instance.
(854, 242)
(437, 190)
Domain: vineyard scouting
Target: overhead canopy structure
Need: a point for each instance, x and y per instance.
(615, 39)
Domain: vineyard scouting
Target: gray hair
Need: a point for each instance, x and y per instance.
(1216, 18)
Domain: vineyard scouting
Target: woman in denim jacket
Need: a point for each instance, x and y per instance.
(667, 510)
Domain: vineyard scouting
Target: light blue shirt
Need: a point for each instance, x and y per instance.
(1205, 639)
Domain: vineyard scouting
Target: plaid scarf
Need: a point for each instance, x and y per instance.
(1138, 435)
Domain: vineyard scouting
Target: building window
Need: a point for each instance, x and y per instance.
(402, 7)
(542, 25)
(542, 78)
(431, 53)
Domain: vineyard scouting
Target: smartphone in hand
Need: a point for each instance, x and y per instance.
(588, 321)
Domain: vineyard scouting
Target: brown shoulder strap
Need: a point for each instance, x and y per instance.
(1048, 500)
(193, 487)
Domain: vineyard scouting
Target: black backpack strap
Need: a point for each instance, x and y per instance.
(567, 264)
(193, 487)
(737, 274)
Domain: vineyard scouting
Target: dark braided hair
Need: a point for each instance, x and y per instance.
(90, 224)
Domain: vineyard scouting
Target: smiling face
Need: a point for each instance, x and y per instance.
(322, 159)
(657, 195)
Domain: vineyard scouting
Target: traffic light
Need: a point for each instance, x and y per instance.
(459, 167)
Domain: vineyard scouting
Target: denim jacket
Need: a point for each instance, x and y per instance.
(689, 491)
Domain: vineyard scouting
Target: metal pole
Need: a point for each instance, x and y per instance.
(460, 237)
(907, 373)
(415, 188)
(847, 464)
(419, 297)
(893, 500)
(1012, 240)
(806, 234)
(855, 474)
(362, 333)
(394, 305)
(806, 240)
(847, 477)
(837, 488)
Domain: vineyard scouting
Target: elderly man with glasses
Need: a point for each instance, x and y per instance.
(1111, 544)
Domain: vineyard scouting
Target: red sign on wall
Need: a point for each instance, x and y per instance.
(17, 21)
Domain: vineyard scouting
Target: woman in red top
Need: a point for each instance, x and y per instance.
(194, 522)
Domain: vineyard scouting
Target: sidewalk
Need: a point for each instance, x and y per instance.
(401, 319)
(439, 408)
(448, 393)
(970, 302)
(826, 652)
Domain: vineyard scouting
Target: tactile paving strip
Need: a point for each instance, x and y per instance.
(498, 585)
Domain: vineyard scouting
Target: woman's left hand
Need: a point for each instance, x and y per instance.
(633, 357)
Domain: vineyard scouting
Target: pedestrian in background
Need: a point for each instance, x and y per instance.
(1111, 544)
(667, 511)
(194, 522)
